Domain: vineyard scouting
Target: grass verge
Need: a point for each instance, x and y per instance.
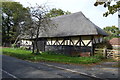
(45, 56)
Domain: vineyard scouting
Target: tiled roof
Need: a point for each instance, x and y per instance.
(115, 41)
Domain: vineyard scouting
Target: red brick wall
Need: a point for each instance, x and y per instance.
(84, 54)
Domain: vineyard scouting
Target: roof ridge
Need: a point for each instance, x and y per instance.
(66, 15)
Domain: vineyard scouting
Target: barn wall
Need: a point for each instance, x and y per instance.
(69, 50)
(82, 45)
(41, 45)
(98, 39)
(86, 40)
(70, 46)
(26, 42)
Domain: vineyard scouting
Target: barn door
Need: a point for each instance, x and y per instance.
(41, 45)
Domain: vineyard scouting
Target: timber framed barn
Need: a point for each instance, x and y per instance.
(74, 35)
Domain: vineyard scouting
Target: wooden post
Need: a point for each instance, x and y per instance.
(51, 41)
(113, 54)
(92, 47)
(105, 53)
(33, 45)
(80, 45)
(44, 43)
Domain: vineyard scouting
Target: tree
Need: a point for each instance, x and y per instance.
(28, 30)
(111, 8)
(57, 12)
(112, 31)
(13, 13)
(39, 23)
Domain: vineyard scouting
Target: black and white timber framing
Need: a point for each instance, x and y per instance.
(70, 45)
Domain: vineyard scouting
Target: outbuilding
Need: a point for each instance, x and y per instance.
(73, 35)
(115, 42)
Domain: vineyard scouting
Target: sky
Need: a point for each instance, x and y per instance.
(95, 14)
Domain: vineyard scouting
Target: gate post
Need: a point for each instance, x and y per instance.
(105, 53)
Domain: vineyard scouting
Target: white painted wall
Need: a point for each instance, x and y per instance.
(26, 42)
(85, 39)
(67, 42)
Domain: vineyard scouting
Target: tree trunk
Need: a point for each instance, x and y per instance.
(36, 41)
(33, 47)
(17, 39)
(37, 52)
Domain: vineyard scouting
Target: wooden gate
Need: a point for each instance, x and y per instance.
(107, 53)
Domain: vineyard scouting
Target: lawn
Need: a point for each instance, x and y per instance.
(46, 56)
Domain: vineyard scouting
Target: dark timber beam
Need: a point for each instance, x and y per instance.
(94, 41)
(89, 42)
(92, 47)
(58, 41)
(66, 42)
(77, 42)
(51, 41)
(55, 42)
(71, 41)
(99, 40)
(62, 41)
(82, 42)
(44, 43)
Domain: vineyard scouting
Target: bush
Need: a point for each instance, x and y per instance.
(104, 44)
(99, 56)
(23, 48)
(13, 45)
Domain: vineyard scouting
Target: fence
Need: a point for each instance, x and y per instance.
(107, 53)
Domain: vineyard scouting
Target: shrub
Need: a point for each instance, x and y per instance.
(13, 45)
(99, 56)
(23, 48)
(104, 44)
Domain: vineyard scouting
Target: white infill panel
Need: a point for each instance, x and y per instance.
(82, 44)
(53, 41)
(48, 41)
(60, 41)
(26, 42)
(63, 42)
(66, 42)
(74, 40)
(70, 43)
(86, 42)
(90, 44)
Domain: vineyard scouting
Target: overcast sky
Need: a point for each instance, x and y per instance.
(95, 14)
